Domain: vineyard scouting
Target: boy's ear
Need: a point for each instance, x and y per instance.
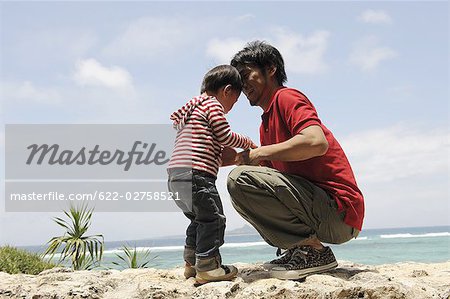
(227, 89)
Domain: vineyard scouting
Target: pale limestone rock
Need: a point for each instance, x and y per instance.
(349, 280)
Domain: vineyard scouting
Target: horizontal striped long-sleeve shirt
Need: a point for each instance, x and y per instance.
(203, 131)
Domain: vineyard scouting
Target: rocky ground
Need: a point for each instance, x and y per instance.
(404, 280)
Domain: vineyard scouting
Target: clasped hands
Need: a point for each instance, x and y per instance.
(246, 157)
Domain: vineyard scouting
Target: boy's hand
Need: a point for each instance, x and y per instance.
(253, 145)
(228, 156)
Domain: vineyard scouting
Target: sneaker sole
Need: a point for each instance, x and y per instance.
(271, 266)
(299, 274)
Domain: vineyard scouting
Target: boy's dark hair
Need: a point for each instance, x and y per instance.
(262, 55)
(220, 76)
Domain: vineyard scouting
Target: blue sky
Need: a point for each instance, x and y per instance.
(377, 73)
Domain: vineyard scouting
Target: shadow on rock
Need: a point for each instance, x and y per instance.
(347, 273)
(257, 272)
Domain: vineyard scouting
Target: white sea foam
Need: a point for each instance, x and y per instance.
(180, 248)
(360, 239)
(428, 235)
(156, 248)
(245, 244)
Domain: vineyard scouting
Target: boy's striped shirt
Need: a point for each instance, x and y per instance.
(203, 131)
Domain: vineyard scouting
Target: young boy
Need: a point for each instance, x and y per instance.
(203, 132)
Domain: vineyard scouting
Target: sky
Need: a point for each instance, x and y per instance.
(377, 72)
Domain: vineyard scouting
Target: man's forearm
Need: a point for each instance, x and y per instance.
(308, 144)
(295, 149)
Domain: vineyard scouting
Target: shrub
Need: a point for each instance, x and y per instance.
(85, 252)
(133, 258)
(14, 261)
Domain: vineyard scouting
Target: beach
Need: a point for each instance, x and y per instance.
(381, 263)
(349, 280)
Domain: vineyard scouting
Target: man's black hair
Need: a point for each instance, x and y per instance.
(220, 76)
(262, 55)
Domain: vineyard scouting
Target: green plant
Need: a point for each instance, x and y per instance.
(134, 259)
(14, 260)
(84, 252)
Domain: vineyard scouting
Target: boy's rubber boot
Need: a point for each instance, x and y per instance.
(189, 271)
(223, 273)
(211, 269)
(189, 258)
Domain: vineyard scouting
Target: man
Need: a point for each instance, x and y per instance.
(303, 192)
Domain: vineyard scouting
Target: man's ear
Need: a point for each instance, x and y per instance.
(271, 70)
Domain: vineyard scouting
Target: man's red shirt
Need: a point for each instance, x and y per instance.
(290, 112)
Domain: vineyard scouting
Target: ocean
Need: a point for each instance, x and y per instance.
(373, 247)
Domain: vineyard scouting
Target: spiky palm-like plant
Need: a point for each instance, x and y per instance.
(134, 259)
(85, 252)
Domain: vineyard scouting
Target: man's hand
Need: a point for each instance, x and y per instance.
(248, 157)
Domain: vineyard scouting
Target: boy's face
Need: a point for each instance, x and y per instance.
(230, 97)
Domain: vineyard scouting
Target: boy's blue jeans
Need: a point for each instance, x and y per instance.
(205, 232)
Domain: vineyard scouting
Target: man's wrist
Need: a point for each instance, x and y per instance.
(258, 154)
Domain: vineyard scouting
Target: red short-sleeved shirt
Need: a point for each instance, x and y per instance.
(290, 112)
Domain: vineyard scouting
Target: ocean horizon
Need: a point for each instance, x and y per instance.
(372, 247)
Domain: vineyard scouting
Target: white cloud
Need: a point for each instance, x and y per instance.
(28, 91)
(246, 17)
(302, 54)
(398, 152)
(374, 17)
(368, 55)
(223, 50)
(90, 72)
(146, 37)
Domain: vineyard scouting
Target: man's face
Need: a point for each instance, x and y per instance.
(255, 84)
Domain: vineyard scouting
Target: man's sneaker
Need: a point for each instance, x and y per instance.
(220, 274)
(282, 260)
(305, 261)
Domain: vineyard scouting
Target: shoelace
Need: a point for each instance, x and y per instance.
(284, 257)
(278, 253)
(299, 252)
